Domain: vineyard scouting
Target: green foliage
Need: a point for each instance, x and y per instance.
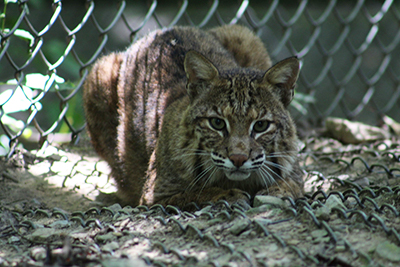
(3, 14)
(300, 101)
(25, 97)
(24, 35)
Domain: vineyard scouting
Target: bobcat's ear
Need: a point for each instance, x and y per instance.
(199, 70)
(283, 76)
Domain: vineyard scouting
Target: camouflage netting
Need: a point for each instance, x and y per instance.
(51, 209)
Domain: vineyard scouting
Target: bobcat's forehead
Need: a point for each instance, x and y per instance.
(240, 98)
(239, 92)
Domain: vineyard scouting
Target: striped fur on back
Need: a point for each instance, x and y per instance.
(189, 115)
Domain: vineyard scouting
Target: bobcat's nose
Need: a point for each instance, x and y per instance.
(238, 159)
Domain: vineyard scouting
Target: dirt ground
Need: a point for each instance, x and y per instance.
(51, 214)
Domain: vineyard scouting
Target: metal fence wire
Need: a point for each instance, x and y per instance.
(348, 51)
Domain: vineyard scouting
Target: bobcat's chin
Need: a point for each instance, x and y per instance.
(237, 175)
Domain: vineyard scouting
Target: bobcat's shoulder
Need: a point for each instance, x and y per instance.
(188, 115)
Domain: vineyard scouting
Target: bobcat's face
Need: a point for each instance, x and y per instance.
(247, 134)
(243, 128)
(237, 149)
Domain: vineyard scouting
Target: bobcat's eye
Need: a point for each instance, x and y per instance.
(261, 126)
(217, 123)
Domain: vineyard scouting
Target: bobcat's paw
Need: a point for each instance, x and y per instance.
(233, 196)
(275, 191)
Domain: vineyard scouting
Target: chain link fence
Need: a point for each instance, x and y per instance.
(349, 216)
(348, 51)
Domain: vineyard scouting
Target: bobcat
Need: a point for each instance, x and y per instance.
(186, 115)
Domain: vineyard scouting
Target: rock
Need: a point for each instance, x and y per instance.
(334, 202)
(363, 182)
(106, 237)
(239, 226)
(18, 208)
(110, 247)
(319, 233)
(42, 234)
(123, 262)
(353, 132)
(13, 239)
(322, 213)
(258, 210)
(319, 236)
(274, 201)
(393, 125)
(115, 207)
(389, 251)
(38, 253)
(60, 224)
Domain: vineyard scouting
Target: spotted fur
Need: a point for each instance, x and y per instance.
(188, 115)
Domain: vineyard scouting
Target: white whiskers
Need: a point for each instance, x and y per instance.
(214, 169)
(269, 176)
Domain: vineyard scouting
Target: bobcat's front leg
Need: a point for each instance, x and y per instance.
(212, 194)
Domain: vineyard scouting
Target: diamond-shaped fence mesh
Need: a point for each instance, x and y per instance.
(349, 216)
(348, 50)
